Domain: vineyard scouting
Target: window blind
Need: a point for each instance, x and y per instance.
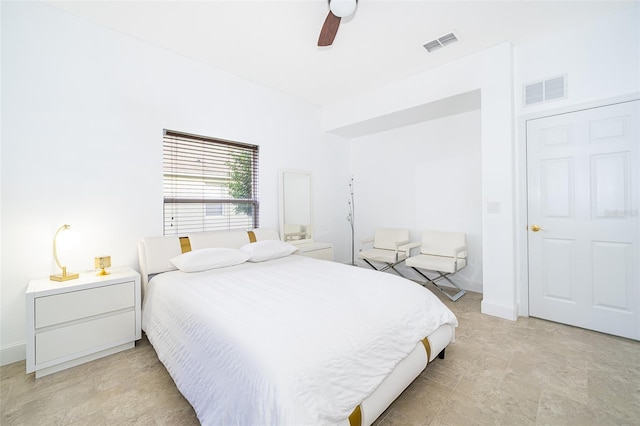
(208, 184)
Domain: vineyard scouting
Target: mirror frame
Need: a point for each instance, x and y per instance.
(283, 174)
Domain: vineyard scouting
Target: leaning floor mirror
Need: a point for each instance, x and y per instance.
(295, 206)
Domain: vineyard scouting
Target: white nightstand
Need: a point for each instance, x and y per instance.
(322, 251)
(73, 322)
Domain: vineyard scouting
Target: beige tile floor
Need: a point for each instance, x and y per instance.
(498, 372)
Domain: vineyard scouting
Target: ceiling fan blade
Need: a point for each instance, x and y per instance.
(329, 30)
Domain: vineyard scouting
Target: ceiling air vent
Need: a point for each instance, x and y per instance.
(546, 90)
(440, 42)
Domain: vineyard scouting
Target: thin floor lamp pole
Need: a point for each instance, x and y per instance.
(351, 219)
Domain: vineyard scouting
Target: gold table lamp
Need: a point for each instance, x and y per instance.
(102, 262)
(67, 242)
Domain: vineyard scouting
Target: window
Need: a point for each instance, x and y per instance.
(209, 184)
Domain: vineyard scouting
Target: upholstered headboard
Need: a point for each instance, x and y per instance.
(154, 253)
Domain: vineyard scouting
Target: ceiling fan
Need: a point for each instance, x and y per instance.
(338, 9)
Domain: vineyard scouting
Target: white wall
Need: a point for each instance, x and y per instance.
(83, 109)
(601, 59)
(426, 176)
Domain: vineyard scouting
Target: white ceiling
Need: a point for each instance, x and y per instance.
(274, 43)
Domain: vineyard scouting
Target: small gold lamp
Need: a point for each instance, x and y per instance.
(102, 262)
(67, 241)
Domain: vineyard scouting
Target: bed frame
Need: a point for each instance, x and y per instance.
(154, 254)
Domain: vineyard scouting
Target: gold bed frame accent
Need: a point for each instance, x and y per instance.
(427, 347)
(185, 244)
(252, 236)
(355, 418)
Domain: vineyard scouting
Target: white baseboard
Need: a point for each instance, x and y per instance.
(506, 312)
(13, 353)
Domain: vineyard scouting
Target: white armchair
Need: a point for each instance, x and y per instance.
(388, 246)
(443, 253)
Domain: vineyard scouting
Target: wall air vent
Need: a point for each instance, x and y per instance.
(545, 90)
(440, 42)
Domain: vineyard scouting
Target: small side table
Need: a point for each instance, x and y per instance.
(73, 322)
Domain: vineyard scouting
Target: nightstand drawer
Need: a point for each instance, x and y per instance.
(317, 250)
(83, 336)
(75, 305)
(322, 254)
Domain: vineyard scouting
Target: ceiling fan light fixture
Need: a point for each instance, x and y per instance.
(342, 8)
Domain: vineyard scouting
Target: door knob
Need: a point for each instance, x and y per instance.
(535, 228)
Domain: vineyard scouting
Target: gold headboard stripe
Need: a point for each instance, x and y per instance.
(185, 244)
(252, 237)
(355, 419)
(427, 346)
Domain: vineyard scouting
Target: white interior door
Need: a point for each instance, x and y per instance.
(583, 193)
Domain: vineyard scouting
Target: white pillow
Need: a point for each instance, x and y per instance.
(208, 258)
(267, 250)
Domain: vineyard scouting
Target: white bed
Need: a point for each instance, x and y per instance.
(292, 340)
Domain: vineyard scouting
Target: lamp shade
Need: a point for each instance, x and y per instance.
(342, 8)
(67, 240)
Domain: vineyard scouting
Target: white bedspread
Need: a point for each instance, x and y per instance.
(288, 341)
